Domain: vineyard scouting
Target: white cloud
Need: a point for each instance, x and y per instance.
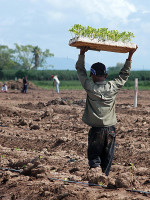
(94, 9)
(108, 9)
(135, 20)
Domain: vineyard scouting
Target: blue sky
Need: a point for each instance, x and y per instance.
(46, 22)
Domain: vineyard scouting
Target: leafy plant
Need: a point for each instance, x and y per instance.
(100, 183)
(131, 165)
(101, 33)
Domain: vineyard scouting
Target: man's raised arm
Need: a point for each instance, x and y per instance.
(124, 73)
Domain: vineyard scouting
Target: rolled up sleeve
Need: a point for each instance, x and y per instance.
(119, 81)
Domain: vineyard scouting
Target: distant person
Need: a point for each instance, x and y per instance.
(100, 114)
(56, 81)
(4, 88)
(25, 85)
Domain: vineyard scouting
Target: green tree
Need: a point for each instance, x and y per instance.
(40, 56)
(31, 57)
(7, 58)
(24, 55)
(36, 54)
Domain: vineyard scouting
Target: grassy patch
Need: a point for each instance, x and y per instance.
(142, 85)
(76, 85)
(64, 85)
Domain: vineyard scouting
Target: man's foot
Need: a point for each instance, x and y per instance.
(96, 177)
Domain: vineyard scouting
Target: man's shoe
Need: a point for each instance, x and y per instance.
(96, 177)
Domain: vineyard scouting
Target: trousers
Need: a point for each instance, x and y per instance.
(101, 143)
(57, 88)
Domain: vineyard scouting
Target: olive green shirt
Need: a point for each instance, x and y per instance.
(100, 101)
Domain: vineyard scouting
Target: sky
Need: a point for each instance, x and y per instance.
(45, 23)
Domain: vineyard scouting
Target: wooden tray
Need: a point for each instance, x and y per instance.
(94, 44)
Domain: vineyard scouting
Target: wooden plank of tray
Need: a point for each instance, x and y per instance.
(101, 46)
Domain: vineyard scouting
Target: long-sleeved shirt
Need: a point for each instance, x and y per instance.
(56, 80)
(100, 101)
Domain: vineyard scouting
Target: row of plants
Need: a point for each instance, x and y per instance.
(41, 75)
(101, 33)
(38, 75)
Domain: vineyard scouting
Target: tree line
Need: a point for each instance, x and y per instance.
(43, 75)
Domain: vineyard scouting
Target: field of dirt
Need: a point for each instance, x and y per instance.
(43, 138)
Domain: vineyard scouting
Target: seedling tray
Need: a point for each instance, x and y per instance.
(108, 45)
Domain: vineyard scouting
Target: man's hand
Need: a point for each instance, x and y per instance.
(131, 52)
(83, 50)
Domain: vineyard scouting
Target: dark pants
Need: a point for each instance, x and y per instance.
(101, 142)
(25, 88)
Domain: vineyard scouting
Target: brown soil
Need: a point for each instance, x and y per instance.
(43, 136)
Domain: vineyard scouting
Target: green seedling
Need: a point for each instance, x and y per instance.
(17, 149)
(101, 183)
(131, 165)
(101, 33)
(71, 102)
(2, 156)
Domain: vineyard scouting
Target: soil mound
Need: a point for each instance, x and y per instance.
(18, 85)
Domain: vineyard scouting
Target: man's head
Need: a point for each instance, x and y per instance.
(98, 69)
(98, 72)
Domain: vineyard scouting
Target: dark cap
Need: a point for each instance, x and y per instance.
(98, 69)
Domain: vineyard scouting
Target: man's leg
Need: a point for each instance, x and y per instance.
(108, 152)
(96, 139)
(57, 88)
(25, 88)
(96, 142)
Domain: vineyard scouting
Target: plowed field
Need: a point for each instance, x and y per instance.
(42, 136)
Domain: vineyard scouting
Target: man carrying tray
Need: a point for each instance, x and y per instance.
(100, 114)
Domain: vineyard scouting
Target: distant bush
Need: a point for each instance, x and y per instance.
(1, 74)
(44, 75)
